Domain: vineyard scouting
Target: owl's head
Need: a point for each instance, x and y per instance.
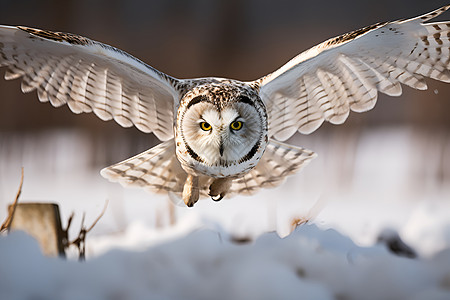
(221, 129)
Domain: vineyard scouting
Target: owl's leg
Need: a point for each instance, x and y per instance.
(219, 188)
(190, 190)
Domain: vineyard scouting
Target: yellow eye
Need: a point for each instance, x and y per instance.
(236, 125)
(205, 126)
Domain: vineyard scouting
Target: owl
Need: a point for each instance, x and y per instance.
(222, 137)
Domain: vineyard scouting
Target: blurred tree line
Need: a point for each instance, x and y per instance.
(229, 38)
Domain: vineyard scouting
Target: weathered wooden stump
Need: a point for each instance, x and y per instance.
(42, 221)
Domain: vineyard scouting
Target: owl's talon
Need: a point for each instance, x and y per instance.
(217, 197)
(190, 191)
(219, 188)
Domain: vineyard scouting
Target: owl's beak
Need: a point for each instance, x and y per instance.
(221, 148)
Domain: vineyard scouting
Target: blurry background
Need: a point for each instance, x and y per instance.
(400, 151)
(240, 39)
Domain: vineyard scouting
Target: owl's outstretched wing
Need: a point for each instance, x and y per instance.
(90, 76)
(345, 73)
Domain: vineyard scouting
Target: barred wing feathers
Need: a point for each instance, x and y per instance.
(90, 76)
(346, 73)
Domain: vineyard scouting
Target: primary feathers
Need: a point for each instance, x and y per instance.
(219, 135)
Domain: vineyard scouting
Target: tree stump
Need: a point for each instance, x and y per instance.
(42, 221)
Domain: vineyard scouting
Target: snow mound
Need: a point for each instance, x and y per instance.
(310, 263)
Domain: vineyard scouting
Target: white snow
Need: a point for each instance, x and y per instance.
(310, 263)
(355, 189)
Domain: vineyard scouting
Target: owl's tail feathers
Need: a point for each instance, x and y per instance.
(156, 170)
(278, 161)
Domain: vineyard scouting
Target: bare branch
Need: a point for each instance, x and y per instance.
(99, 217)
(313, 212)
(80, 241)
(69, 222)
(6, 225)
(65, 232)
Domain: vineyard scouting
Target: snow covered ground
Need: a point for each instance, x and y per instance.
(357, 187)
(308, 264)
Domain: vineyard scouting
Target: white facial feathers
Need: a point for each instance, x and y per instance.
(228, 135)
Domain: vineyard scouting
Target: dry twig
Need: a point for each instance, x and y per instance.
(80, 241)
(7, 224)
(65, 232)
(310, 215)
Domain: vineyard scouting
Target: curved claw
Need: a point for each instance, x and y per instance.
(217, 197)
(219, 188)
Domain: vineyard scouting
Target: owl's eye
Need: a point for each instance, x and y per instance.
(205, 126)
(236, 125)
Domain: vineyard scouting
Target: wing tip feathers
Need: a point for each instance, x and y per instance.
(431, 15)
